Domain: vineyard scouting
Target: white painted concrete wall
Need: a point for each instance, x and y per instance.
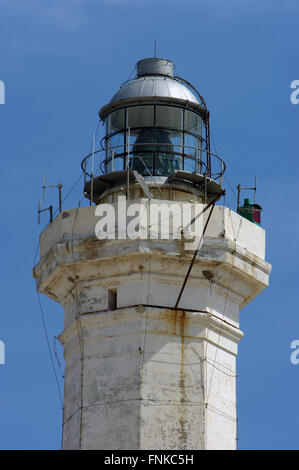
(143, 375)
(224, 223)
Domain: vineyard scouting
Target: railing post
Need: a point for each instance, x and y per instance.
(221, 177)
(128, 148)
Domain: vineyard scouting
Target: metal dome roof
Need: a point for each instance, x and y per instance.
(154, 82)
(155, 86)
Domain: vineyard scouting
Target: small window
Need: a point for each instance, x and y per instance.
(112, 299)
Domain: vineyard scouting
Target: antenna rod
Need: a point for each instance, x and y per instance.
(239, 192)
(60, 197)
(155, 49)
(44, 192)
(38, 211)
(255, 180)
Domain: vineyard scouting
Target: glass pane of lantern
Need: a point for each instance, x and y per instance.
(192, 122)
(155, 151)
(189, 164)
(115, 147)
(141, 150)
(130, 141)
(165, 164)
(116, 163)
(130, 147)
(177, 142)
(169, 117)
(166, 161)
(116, 121)
(140, 116)
(143, 163)
(191, 147)
(117, 142)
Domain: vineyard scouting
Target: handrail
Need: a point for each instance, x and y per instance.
(114, 153)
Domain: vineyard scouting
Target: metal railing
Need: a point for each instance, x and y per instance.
(157, 159)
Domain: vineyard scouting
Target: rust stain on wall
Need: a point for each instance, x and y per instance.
(179, 319)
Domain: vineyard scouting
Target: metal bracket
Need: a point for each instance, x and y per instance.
(58, 186)
(239, 188)
(39, 211)
(143, 184)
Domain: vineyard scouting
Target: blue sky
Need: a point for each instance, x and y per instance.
(61, 60)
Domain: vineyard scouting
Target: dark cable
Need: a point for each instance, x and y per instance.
(49, 348)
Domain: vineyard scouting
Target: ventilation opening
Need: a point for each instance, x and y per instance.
(112, 299)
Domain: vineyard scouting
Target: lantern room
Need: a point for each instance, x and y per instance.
(157, 125)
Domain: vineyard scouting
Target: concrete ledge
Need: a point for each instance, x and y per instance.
(80, 223)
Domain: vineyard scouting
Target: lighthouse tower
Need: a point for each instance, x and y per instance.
(152, 276)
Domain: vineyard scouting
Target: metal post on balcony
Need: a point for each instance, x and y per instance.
(128, 147)
(84, 166)
(92, 167)
(60, 196)
(128, 166)
(221, 177)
